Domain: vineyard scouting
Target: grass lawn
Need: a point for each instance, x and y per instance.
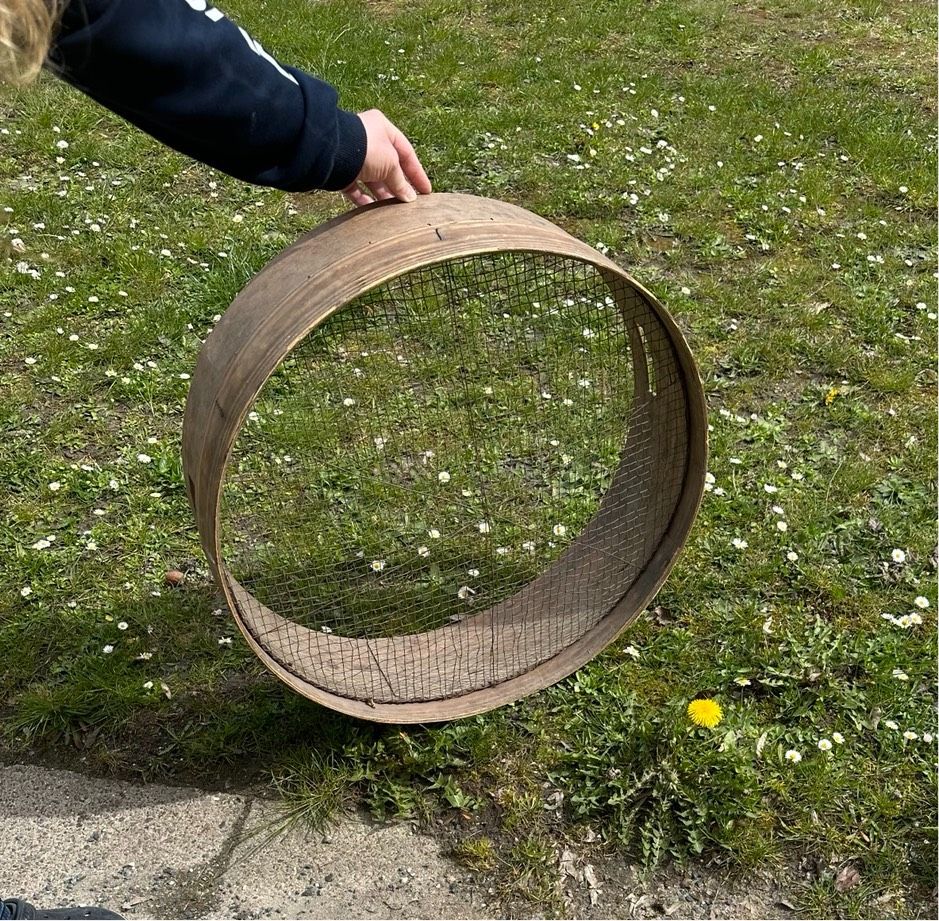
(769, 172)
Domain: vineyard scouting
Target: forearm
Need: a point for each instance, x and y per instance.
(198, 83)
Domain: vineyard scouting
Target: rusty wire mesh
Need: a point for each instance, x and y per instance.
(454, 477)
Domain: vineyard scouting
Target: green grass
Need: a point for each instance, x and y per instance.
(371, 495)
(729, 157)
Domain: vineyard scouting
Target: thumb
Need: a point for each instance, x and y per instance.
(398, 185)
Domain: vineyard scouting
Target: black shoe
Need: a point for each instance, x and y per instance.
(17, 909)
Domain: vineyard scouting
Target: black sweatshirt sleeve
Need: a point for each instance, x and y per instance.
(194, 80)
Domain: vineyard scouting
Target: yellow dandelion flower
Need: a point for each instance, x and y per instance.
(705, 712)
(830, 396)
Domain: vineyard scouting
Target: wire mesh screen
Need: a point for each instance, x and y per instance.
(454, 477)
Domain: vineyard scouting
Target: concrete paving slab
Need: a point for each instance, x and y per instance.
(356, 870)
(71, 839)
(175, 852)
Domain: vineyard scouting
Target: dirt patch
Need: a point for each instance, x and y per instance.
(619, 890)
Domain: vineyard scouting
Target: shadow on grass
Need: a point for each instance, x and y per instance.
(170, 702)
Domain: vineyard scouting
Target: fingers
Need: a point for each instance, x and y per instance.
(410, 164)
(391, 168)
(357, 196)
(398, 185)
(379, 190)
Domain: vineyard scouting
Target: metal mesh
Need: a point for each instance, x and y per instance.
(454, 477)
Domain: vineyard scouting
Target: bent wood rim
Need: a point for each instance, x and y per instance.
(318, 275)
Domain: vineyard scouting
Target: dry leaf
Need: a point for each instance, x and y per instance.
(567, 864)
(848, 878)
(590, 878)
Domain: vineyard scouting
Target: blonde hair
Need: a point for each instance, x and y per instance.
(25, 34)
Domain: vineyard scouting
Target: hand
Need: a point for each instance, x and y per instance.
(391, 168)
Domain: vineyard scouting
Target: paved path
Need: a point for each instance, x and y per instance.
(175, 852)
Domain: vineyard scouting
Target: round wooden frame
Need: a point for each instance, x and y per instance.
(325, 270)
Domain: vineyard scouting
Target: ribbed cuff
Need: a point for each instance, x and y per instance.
(350, 151)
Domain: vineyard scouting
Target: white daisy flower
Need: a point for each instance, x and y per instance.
(838, 738)
(782, 526)
(378, 565)
(423, 551)
(559, 530)
(824, 745)
(472, 572)
(434, 534)
(792, 556)
(483, 527)
(898, 556)
(26, 591)
(122, 625)
(224, 641)
(107, 649)
(348, 401)
(632, 651)
(770, 488)
(740, 543)
(41, 544)
(910, 736)
(921, 602)
(55, 486)
(443, 476)
(144, 458)
(793, 756)
(891, 724)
